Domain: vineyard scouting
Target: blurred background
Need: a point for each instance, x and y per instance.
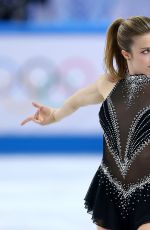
(49, 49)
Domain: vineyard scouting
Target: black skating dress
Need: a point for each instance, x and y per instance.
(118, 197)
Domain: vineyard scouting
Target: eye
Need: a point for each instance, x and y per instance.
(145, 51)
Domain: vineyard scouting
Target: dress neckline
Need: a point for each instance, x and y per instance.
(137, 76)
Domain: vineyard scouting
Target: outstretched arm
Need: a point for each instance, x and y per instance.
(85, 96)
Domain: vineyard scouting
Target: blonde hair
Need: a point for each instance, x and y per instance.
(120, 36)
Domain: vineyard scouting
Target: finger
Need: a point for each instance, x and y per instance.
(38, 121)
(36, 115)
(27, 120)
(36, 105)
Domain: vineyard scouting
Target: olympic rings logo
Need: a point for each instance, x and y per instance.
(40, 78)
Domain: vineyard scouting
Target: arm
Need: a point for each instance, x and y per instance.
(85, 96)
(91, 94)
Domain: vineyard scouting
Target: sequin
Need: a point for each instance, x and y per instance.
(124, 173)
(138, 134)
(134, 86)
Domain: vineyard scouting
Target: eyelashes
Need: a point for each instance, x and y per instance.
(147, 51)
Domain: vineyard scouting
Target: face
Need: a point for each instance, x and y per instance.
(138, 60)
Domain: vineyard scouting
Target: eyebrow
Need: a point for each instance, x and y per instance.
(146, 48)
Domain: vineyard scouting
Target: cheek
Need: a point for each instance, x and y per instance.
(143, 59)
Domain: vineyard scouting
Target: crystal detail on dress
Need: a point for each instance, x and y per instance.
(122, 189)
(123, 176)
(134, 84)
(138, 135)
(111, 131)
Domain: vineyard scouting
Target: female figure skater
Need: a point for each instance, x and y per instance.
(119, 194)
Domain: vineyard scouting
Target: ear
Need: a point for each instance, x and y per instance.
(125, 54)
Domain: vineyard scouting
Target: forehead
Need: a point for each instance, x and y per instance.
(141, 41)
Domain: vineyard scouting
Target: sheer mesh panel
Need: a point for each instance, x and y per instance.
(119, 195)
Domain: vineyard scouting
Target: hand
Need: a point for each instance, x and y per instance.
(43, 116)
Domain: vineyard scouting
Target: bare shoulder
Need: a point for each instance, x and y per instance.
(105, 84)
